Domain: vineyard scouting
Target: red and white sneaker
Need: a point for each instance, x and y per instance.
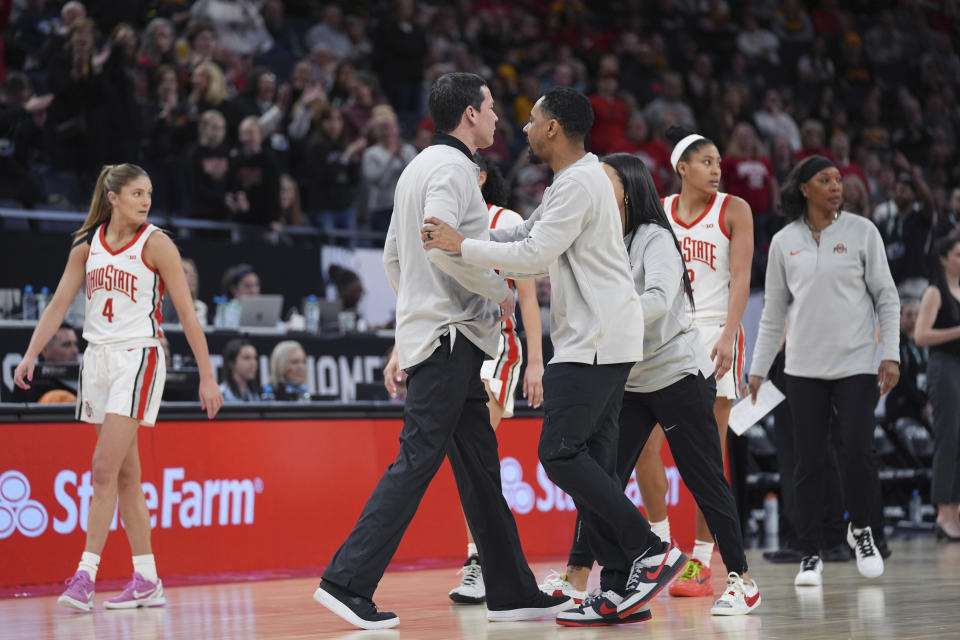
(649, 574)
(694, 582)
(556, 584)
(599, 610)
(738, 598)
(139, 592)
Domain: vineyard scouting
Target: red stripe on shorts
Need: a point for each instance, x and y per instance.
(147, 380)
(513, 352)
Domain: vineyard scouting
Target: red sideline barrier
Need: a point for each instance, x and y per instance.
(257, 495)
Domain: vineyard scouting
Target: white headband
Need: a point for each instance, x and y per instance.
(682, 146)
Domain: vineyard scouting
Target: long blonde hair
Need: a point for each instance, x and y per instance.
(217, 83)
(280, 358)
(113, 177)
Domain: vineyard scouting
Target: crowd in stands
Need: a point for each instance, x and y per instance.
(278, 113)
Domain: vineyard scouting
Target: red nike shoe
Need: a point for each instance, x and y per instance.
(598, 610)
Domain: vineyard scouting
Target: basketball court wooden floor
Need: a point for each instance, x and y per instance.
(918, 598)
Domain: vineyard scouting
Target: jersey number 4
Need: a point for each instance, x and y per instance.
(108, 310)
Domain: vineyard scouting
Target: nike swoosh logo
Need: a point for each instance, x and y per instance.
(793, 253)
(752, 600)
(668, 428)
(144, 594)
(653, 575)
(606, 609)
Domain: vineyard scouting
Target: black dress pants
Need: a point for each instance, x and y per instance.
(845, 405)
(578, 450)
(685, 411)
(445, 415)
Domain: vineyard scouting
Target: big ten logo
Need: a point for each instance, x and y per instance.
(189, 503)
(17, 511)
(522, 498)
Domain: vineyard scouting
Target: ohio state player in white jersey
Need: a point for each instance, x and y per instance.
(123, 264)
(715, 232)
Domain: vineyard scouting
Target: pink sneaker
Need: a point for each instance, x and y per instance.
(79, 593)
(139, 592)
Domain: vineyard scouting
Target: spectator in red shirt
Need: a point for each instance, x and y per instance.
(812, 138)
(654, 152)
(748, 173)
(610, 115)
(840, 152)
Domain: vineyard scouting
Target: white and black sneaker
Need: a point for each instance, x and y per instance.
(354, 608)
(869, 561)
(471, 589)
(811, 570)
(650, 573)
(540, 606)
(600, 610)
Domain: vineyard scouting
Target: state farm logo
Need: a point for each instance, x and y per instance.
(522, 497)
(17, 510)
(177, 501)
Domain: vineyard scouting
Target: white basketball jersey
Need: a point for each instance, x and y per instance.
(503, 218)
(706, 250)
(123, 293)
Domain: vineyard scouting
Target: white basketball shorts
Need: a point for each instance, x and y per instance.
(121, 379)
(503, 372)
(730, 385)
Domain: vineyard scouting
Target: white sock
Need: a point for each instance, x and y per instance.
(703, 551)
(146, 566)
(90, 562)
(471, 549)
(661, 529)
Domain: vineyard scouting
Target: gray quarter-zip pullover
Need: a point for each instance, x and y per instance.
(829, 296)
(671, 344)
(575, 233)
(436, 290)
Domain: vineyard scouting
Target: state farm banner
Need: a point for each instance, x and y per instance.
(259, 495)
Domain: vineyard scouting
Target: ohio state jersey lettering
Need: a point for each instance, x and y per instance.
(123, 292)
(112, 279)
(706, 250)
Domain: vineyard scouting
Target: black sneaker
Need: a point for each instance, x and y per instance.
(650, 573)
(355, 609)
(471, 589)
(883, 547)
(540, 606)
(784, 555)
(837, 553)
(599, 610)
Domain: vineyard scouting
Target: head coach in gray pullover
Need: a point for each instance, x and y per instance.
(447, 319)
(596, 324)
(829, 282)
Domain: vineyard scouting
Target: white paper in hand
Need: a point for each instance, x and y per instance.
(745, 414)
